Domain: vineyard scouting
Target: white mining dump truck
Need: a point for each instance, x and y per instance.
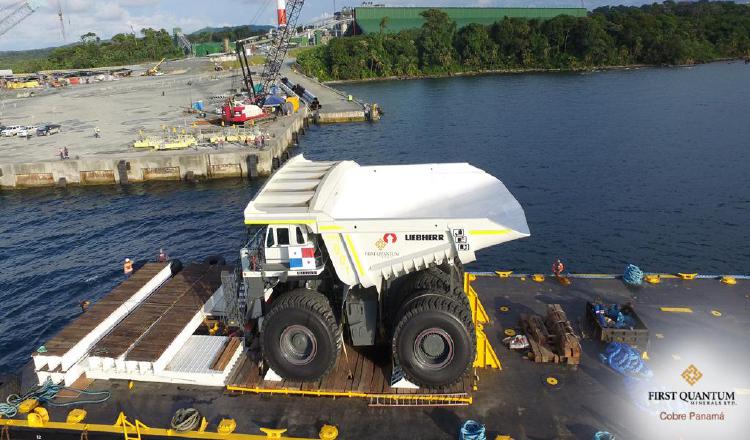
(373, 254)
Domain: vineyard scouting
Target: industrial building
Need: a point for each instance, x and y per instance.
(368, 19)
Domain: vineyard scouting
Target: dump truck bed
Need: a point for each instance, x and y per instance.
(383, 221)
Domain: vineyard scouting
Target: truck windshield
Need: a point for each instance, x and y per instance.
(282, 234)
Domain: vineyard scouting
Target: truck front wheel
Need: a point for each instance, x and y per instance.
(434, 342)
(300, 336)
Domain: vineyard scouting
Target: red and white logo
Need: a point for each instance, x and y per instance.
(389, 237)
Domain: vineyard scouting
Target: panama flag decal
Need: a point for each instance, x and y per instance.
(301, 257)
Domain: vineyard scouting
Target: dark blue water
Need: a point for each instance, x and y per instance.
(648, 166)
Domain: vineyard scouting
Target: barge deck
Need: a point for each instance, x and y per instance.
(696, 321)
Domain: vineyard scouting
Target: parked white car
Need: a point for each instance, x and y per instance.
(12, 130)
(27, 131)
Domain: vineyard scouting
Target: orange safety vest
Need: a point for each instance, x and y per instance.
(127, 267)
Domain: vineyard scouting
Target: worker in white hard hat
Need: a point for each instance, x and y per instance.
(127, 267)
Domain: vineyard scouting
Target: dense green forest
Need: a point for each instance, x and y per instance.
(659, 34)
(151, 45)
(92, 52)
(234, 33)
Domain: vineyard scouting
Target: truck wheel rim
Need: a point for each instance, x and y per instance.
(433, 348)
(298, 345)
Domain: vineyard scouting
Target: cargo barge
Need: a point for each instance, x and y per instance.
(516, 400)
(356, 331)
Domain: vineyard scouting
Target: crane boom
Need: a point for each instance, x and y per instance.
(280, 43)
(18, 13)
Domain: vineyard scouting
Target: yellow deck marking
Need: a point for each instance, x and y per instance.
(676, 309)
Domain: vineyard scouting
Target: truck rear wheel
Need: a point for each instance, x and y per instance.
(436, 280)
(300, 336)
(434, 341)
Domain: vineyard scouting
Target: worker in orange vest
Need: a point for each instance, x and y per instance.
(557, 268)
(127, 267)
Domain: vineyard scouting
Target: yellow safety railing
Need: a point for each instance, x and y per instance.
(131, 430)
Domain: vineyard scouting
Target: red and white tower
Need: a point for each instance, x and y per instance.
(281, 12)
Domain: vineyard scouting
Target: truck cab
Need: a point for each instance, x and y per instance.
(282, 251)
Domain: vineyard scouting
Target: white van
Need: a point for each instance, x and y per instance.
(27, 131)
(12, 130)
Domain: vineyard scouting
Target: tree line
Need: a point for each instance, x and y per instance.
(233, 33)
(122, 49)
(659, 34)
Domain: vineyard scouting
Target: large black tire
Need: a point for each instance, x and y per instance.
(175, 266)
(434, 341)
(215, 260)
(434, 279)
(300, 337)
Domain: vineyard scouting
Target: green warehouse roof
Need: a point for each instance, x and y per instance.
(368, 18)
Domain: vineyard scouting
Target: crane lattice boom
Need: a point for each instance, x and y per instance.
(279, 44)
(18, 13)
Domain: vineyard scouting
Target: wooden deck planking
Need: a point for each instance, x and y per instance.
(149, 312)
(223, 358)
(199, 282)
(71, 334)
(354, 384)
(369, 377)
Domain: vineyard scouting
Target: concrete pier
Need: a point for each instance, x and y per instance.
(204, 163)
(125, 109)
(336, 106)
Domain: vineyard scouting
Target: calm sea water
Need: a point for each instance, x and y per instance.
(650, 167)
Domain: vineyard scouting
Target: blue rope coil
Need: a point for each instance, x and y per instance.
(47, 392)
(633, 275)
(472, 430)
(603, 435)
(625, 360)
